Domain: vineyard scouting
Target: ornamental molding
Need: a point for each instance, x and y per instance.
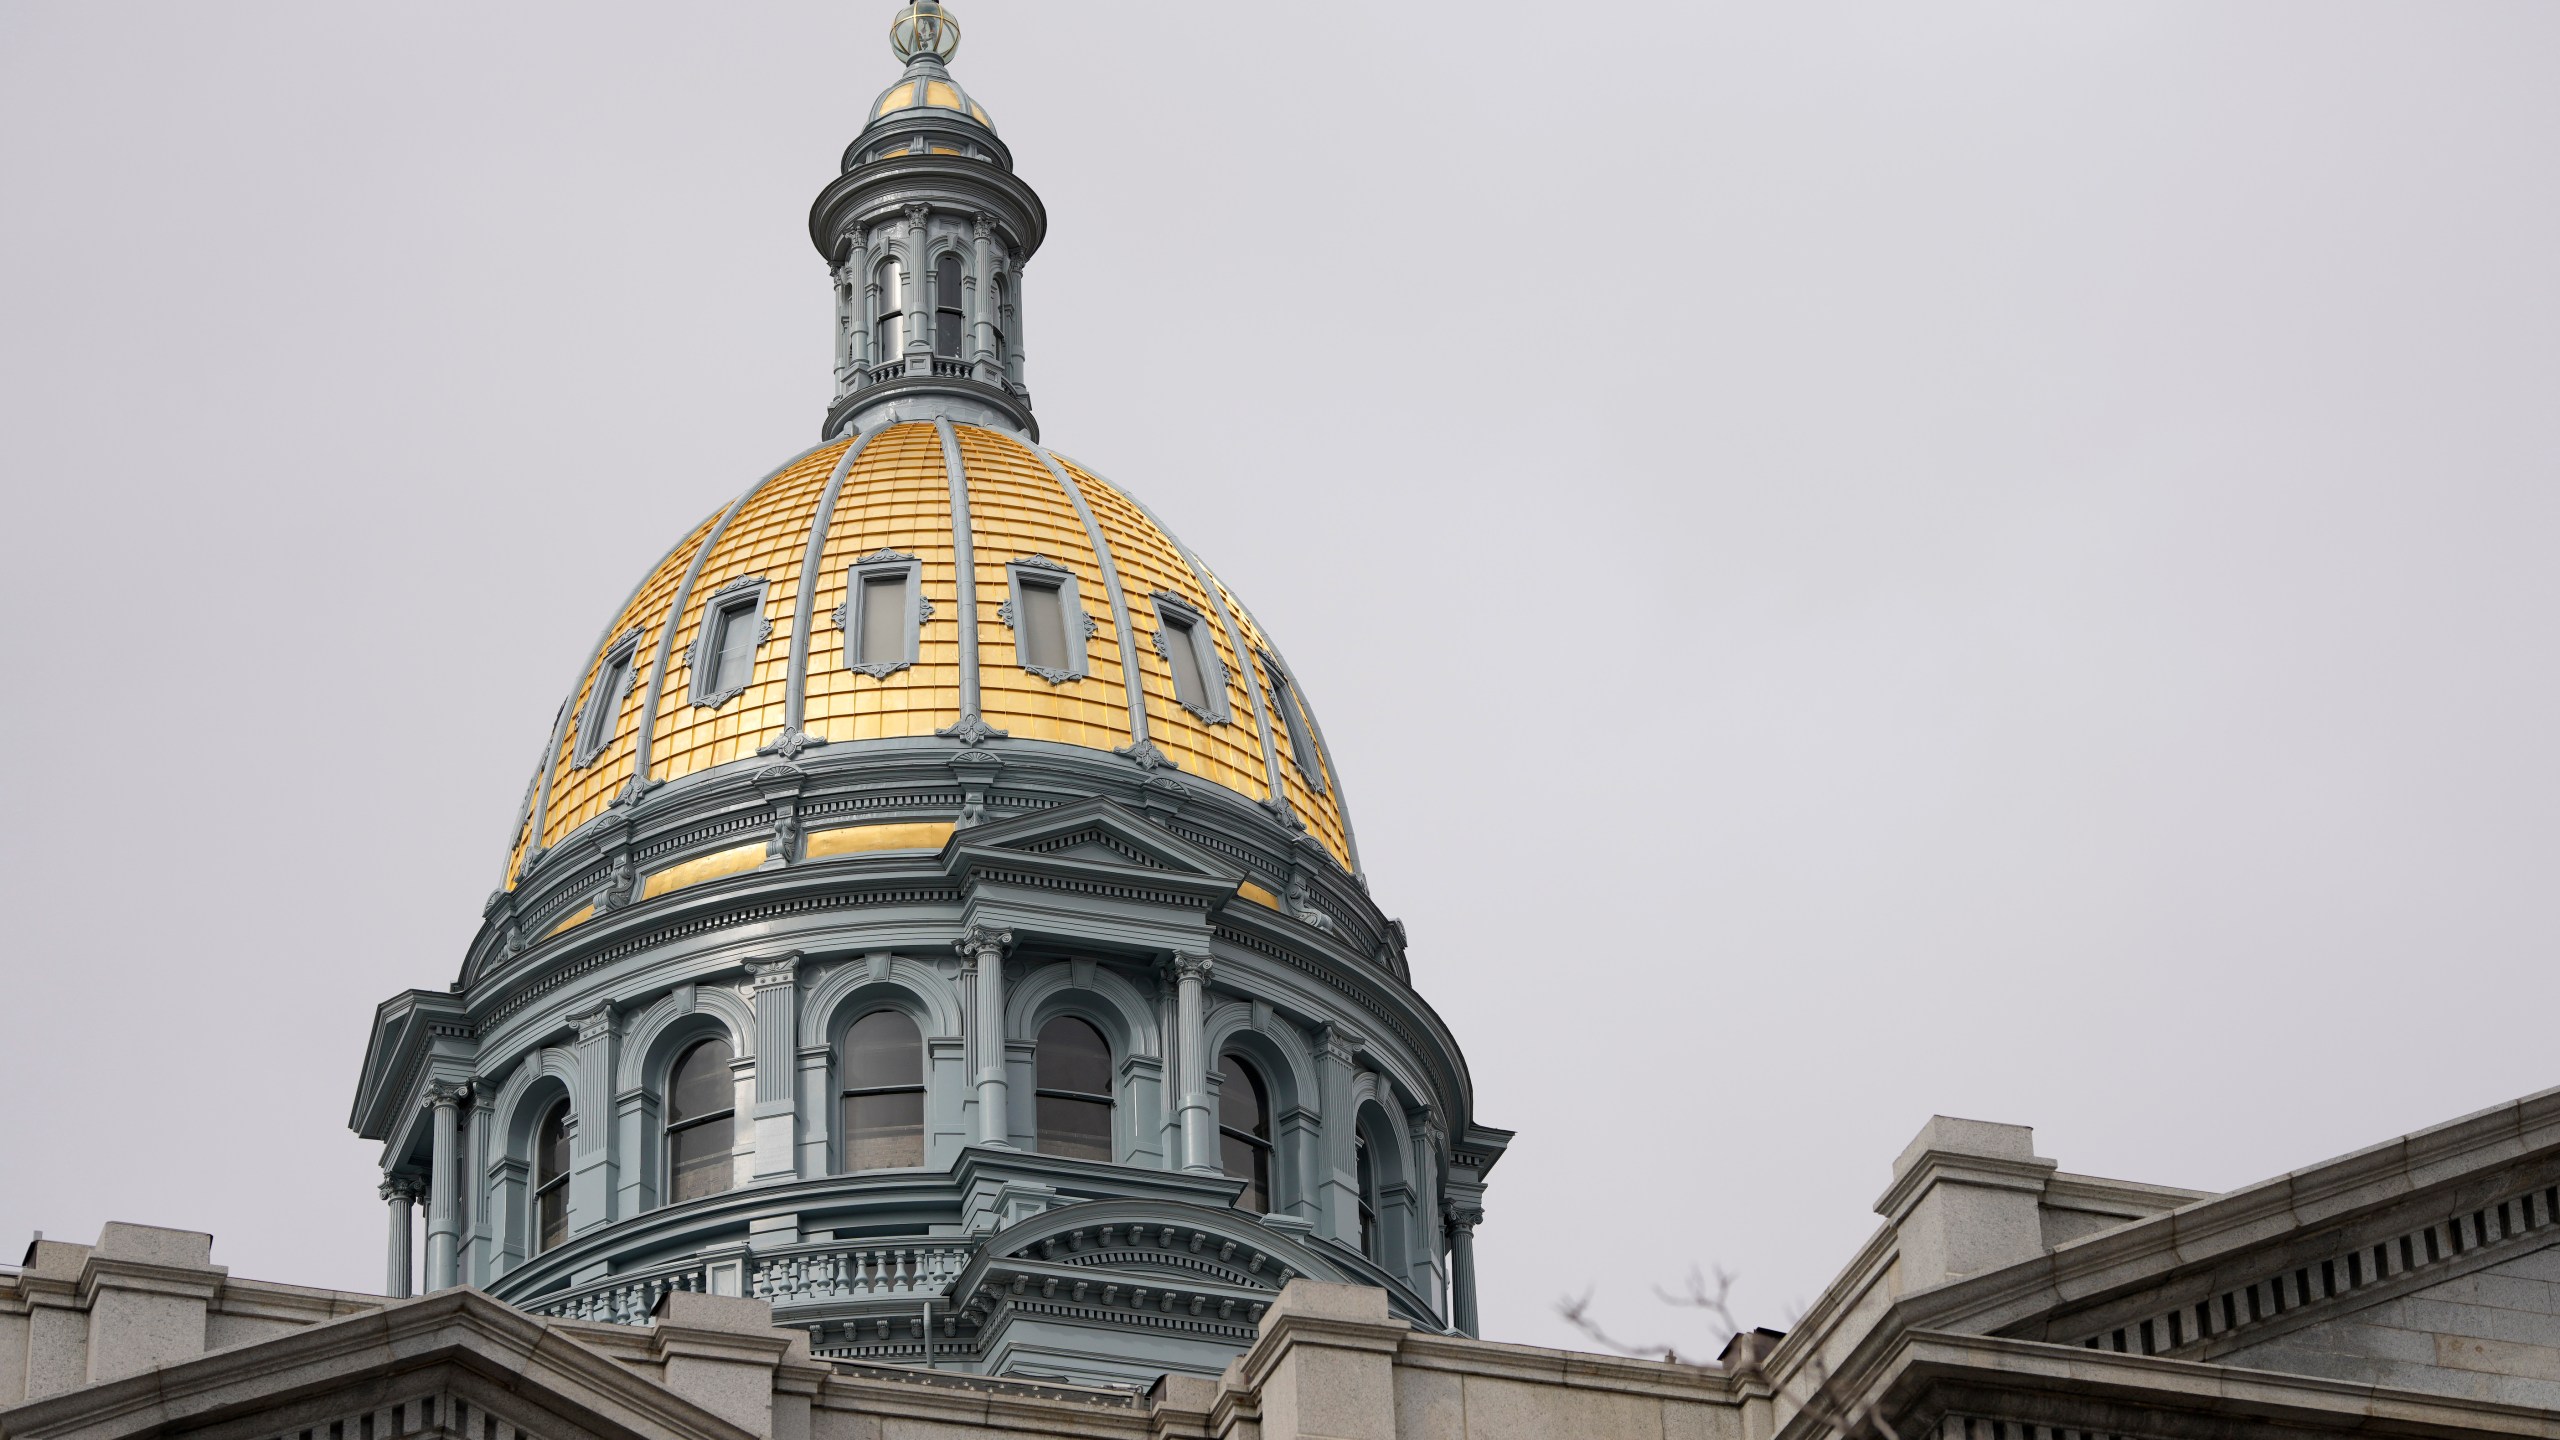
(1146, 756)
(404, 1189)
(441, 1093)
(702, 662)
(627, 646)
(791, 744)
(983, 941)
(1195, 968)
(972, 729)
(842, 617)
(777, 972)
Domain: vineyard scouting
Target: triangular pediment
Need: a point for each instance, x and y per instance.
(1098, 833)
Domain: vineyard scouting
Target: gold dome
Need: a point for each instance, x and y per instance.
(894, 495)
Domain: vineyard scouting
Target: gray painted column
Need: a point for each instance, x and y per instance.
(592, 1151)
(777, 1107)
(1338, 1175)
(982, 329)
(1199, 1125)
(443, 1232)
(911, 299)
(795, 690)
(982, 965)
(848, 290)
(402, 1192)
(478, 1138)
(1464, 1217)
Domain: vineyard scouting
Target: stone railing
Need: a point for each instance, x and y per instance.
(623, 1299)
(809, 1274)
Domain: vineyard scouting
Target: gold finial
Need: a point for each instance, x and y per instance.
(923, 28)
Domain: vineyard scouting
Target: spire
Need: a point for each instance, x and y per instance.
(925, 233)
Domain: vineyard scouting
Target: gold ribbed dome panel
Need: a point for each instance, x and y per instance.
(1017, 511)
(1149, 561)
(896, 497)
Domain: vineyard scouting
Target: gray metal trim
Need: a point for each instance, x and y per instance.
(624, 649)
(1341, 801)
(795, 699)
(971, 728)
(1244, 655)
(1079, 621)
(1139, 745)
(675, 620)
(747, 595)
(551, 758)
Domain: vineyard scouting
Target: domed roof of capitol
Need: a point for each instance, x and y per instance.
(783, 571)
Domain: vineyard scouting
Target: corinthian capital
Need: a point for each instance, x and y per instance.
(1190, 967)
(404, 1187)
(781, 970)
(916, 216)
(983, 942)
(1463, 1214)
(441, 1093)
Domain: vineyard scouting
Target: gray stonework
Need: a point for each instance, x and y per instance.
(2004, 1299)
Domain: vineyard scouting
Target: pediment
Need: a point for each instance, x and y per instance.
(2491, 1332)
(1097, 834)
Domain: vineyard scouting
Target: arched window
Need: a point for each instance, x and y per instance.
(949, 324)
(702, 1103)
(997, 313)
(1244, 1132)
(551, 1178)
(883, 1092)
(888, 321)
(1367, 1171)
(1072, 1072)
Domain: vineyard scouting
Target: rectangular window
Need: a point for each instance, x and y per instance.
(1182, 651)
(733, 648)
(883, 632)
(604, 703)
(1040, 630)
(1302, 741)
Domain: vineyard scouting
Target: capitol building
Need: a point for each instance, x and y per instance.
(934, 991)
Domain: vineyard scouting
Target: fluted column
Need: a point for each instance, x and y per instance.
(1191, 1080)
(913, 301)
(1464, 1217)
(402, 1192)
(982, 950)
(777, 1110)
(982, 330)
(443, 1231)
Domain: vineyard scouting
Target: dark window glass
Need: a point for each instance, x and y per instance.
(883, 1092)
(948, 323)
(1244, 1132)
(884, 619)
(1072, 1071)
(734, 658)
(701, 1123)
(888, 325)
(551, 1178)
(1368, 1178)
(1182, 651)
(604, 703)
(997, 313)
(1302, 742)
(1041, 628)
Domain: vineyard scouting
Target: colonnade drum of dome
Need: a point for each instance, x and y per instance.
(934, 909)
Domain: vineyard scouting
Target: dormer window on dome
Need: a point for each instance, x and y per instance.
(724, 650)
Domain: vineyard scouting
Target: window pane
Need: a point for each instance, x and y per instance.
(701, 1085)
(698, 1161)
(1241, 1102)
(737, 642)
(884, 619)
(551, 1219)
(947, 319)
(888, 332)
(1072, 1056)
(1184, 654)
(551, 1147)
(1246, 1161)
(1042, 627)
(883, 1048)
(1080, 1129)
(604, 707)
(883, 1131)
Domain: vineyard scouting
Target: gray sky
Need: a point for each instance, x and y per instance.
(1860, 560)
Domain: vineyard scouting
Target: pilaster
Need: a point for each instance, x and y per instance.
(982, 949)
(1338, 1172)
(592, 1151)
(777, 1107)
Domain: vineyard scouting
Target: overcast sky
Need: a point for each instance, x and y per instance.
(1860, 560)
